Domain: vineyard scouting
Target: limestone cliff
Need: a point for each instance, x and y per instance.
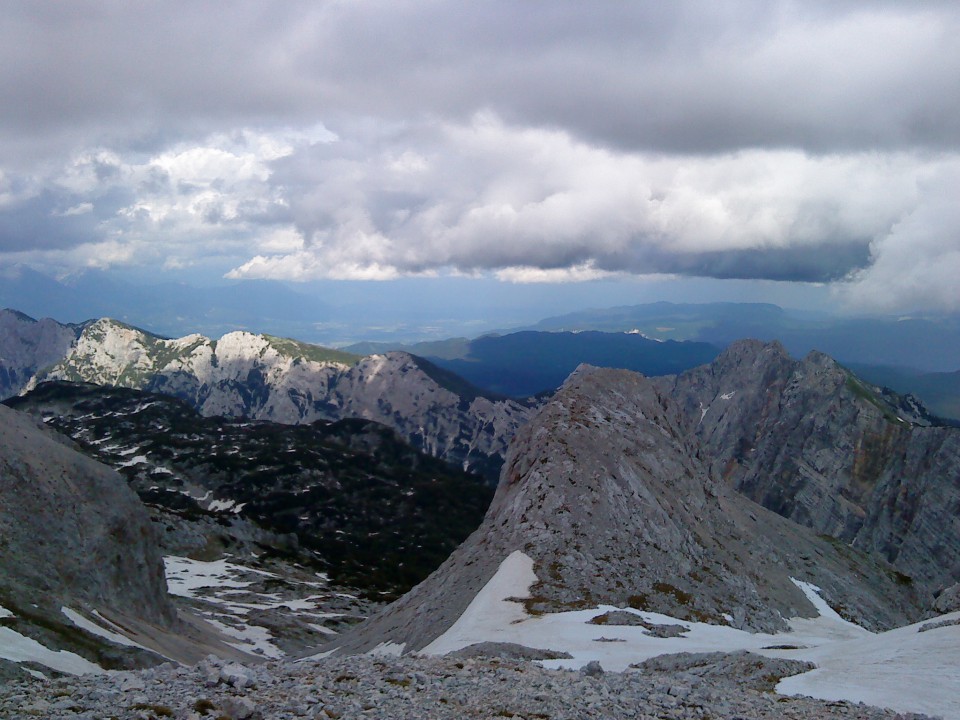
(812, 442)
(265, 378)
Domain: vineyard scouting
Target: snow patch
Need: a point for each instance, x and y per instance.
(492, 614)
(19, 648)
(136, 460)
(727, 396)
(249, 638)
(81, 622)
(184, 575)
(221, 505)
(388, 649)
(902, 669)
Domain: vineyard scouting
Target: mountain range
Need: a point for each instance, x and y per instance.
(260, 377)
(915, 355)
(760, 502)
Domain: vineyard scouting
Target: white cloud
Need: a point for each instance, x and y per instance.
(523, 204)
(534, 205)
(781, 141)
(578, 273)
(917, 264)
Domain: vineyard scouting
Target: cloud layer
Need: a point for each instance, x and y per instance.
(814, 142)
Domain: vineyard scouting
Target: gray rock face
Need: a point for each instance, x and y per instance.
(73, 535)
(393, 389)
(810, 441)
(27, 346)
(72, 529)
(264, 378)
(606, 491)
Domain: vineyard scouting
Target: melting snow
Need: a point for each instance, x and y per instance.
(81, 622)
(185, 575)
(20, 648)
(902, 669)
(136, 460)
(249, 638)
(388, 649)
(220, 505)
(727, 396)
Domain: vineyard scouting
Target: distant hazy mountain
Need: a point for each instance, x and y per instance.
(527, 363)
(169, 309)
(929, 344)
(28, 345)
(939, 391)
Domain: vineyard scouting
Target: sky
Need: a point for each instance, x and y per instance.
(806, 153)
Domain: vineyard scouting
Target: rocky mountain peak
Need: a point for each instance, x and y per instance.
(814, 443)
(606, 492)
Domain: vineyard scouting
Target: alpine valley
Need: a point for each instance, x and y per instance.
(254, 527)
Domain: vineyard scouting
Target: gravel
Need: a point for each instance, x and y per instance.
(423, 688)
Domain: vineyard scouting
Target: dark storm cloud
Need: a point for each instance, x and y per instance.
(775, 140)
(820, 263)
(684, 76)
(39, 223)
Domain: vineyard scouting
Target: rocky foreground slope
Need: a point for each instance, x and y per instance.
(615, 502)
(259, 377)
(685, 688)
(80, 560)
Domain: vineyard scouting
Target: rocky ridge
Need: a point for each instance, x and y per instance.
(615, 503)
(814, 443)
(259, 377)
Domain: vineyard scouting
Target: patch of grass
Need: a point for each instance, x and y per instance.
(638, 602)
(203, 706)
(862, 392)
(684, 598)
(314, 353)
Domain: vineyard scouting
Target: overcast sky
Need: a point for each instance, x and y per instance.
(814, 144)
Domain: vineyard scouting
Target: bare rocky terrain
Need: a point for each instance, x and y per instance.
(622, 492)
(816, 444)
(616, 503)
(680, 688)
(78, 549)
